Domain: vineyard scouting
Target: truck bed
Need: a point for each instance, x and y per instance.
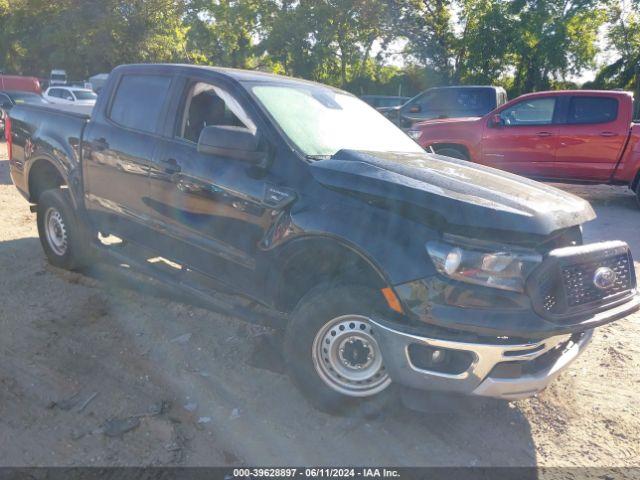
(54, 132)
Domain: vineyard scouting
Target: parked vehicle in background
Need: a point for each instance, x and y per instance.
(58, 77)
(578, 136)
(71, 96)
(384, 101)
(8, 99)
(382, 262)
(98, 81)
(448, 102)
(19, 83)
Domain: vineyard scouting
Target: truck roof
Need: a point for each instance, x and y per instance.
(616, 93)
(234, 73)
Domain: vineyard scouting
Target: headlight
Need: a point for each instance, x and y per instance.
(415, 134)
(491, 265)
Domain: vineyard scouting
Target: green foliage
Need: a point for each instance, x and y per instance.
(91, 36)
(524, 45)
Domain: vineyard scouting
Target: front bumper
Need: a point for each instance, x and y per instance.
(490, 371)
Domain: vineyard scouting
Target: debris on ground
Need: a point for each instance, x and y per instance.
(89, 399)
(190, 406)
(182, 339)
(73, 401)
(116, 427)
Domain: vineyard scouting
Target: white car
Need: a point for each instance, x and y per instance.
(70, 96)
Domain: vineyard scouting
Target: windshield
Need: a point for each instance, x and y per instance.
(321, 121)
(57, 76)
(84, 95)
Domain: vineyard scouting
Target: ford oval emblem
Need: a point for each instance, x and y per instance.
(604, 278)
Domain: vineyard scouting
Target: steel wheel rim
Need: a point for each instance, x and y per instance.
(347, 357)
(55, 231)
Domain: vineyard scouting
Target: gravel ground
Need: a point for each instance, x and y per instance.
(93, 372)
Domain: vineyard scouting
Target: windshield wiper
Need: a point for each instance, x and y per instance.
(318, 157)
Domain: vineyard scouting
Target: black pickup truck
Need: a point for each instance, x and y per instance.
(388, 264)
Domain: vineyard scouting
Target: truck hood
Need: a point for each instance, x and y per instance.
(459, 193)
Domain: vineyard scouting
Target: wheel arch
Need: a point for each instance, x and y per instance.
(43, 174)
(457, 146)
(332, 259)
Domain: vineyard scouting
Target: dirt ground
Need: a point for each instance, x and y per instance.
(94, 373)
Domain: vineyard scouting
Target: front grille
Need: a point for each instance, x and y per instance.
(578, 280)
(564, 285)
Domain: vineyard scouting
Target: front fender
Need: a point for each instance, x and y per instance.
(394, 245)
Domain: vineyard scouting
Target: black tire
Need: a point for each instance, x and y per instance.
(451, 152)
(317, 309)
(76, 251)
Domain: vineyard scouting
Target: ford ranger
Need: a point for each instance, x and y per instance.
(388, 265)
(585, 136)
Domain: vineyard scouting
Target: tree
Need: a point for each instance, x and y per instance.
(224, 32)
(85, 37)
(327, 40)
(623, 37)
(552, 39)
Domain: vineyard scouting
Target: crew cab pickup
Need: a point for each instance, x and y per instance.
(578, 136)
(387, 265)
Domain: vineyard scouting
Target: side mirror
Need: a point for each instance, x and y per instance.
(496, 120)
(231, 142)
(415, 109)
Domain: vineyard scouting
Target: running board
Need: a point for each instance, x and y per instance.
(210, 299)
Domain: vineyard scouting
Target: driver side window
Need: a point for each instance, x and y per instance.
(530, 112)
(208, 105)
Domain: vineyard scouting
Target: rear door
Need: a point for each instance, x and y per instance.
(525, 139)
(119, 145)
(591, 137)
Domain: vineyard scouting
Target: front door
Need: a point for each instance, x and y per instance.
(525, 139)
(212, 205)
(118, 150)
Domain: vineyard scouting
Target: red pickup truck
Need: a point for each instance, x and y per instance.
(578, 136)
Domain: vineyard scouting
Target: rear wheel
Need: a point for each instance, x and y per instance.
(452, 152)
(332, 350)
(62, 236)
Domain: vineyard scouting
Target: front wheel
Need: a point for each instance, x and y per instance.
(332, 351)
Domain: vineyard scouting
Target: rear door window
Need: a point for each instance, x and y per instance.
(586, 110)
(139, 101)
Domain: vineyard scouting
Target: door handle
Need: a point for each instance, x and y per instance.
(608, 134)
(170, 166)
(544, 134)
